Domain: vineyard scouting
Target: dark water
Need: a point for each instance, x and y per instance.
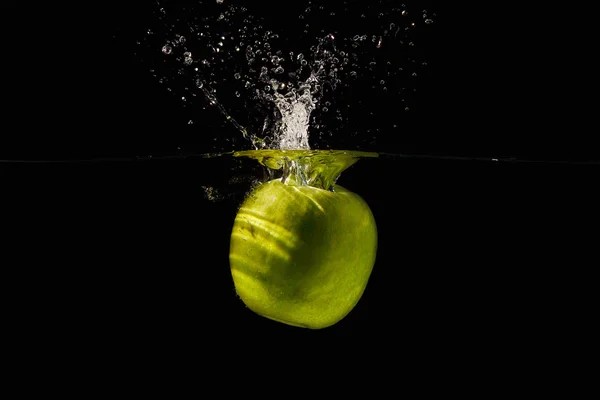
(133, 253)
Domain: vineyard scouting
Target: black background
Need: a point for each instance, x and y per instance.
(477, 259)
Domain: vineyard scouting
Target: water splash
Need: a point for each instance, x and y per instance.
(284, 95)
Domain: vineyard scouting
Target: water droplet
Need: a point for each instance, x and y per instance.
(237, 94)
(429, 21)
(279, 70)
(325, 109)
(237, 76)
(167, 49)
(404, 12)
(187, 58)
(275, 60)
(382, 82)
(219, 1)
(414, 74)
(303, 62)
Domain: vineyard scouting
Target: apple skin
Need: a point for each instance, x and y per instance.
(302, 255)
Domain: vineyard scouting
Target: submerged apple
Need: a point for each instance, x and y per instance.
(302, 255)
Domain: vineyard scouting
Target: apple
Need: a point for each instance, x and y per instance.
(302, 255)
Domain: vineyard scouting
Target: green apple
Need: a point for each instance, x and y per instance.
(302, 255)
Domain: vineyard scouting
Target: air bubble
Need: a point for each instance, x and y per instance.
(429, 21)
(279, 70)
(237, 76)
(167, 49)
